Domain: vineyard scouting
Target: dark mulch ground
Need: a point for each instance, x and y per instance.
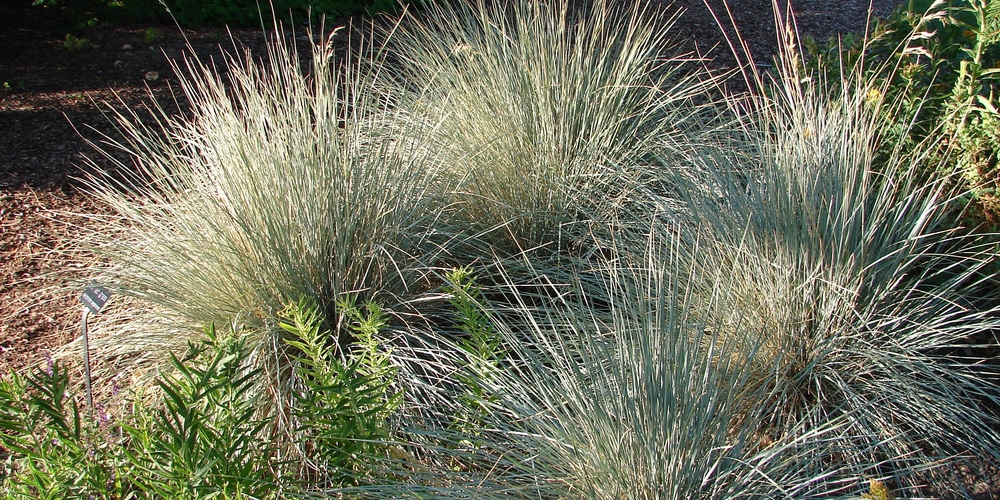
(50, 105)
(48, 110)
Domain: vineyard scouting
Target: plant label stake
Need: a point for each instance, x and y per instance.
(93, 298)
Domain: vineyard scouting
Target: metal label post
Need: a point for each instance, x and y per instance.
(93, 298)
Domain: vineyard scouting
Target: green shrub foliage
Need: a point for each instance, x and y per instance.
(200, 440)
(200, 433)
(346, 398)
(940, 62)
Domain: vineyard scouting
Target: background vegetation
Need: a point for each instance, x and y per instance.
(941, 61)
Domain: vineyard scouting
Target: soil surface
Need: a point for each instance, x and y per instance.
(51, 101)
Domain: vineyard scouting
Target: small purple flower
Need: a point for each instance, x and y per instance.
(111, 481)
(103, 415)
(50, 363)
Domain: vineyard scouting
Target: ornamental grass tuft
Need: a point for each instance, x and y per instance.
(544, 110)
(284, 181)
(851, 282)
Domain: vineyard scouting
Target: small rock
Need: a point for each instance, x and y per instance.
(127, 46)
(152, 76)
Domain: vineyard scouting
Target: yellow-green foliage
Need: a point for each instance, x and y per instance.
(877, 490)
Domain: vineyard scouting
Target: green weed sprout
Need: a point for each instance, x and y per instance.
(347, 398)
(200, 439)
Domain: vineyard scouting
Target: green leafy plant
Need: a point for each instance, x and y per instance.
(56, 450)
(151, 35)
(74, 44)
(347, 397)
(203, 441)
(481, 345)
(941, 62)
(201, 432)
(207, 439)
(466, 298)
